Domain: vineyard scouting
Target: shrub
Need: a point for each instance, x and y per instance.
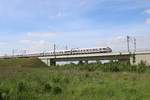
(86, 75)
(91, 68)
(21, 87)
(88, 67)
(47, 87)
(56, 79)
(111, 67)
(57, 90)
(142, 67)
(66, 80)
(4, 93)
(133, 68)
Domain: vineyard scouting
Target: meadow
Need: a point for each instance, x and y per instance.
(30, 79)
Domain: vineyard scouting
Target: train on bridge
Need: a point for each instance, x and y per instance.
(65, 52)
(74, 52)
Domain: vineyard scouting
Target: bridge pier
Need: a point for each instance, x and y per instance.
(86, 61)
(80, 62)
(48, 62)
(52, 62)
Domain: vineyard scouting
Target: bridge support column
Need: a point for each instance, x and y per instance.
(86, 61)
(52, 62)
(80, 62)
(48, 62)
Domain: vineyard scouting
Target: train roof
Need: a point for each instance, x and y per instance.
(79, 49)
(89, 48)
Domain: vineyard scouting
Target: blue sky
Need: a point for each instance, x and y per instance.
(35, 25)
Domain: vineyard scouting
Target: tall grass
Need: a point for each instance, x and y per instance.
(111, 81)
(109, 67)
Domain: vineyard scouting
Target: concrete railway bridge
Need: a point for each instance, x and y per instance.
(133, 58)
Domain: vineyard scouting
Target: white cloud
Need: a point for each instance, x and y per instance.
(147, 21)
(58, 14)
(116, 43)
(119, 43)
(33, 42)
(84, 3)
(23, 9)
(41, 34)
(35, 46)
(147, 11)
(2, 43)
(36, 41)
(25, 41)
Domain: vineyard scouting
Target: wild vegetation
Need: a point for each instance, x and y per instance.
(28, 80)
(109, 67)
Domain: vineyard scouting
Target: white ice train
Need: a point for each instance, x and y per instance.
(69, 52)
(79, 51)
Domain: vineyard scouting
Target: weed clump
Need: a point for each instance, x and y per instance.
(21, 87)
(57, 90)
(47, 87)
(111, 67)
(86, 75)
(142, 67)
(4, 93)
(66, 80)
(56, 79)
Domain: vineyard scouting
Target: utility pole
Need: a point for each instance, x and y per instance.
(66, 47)
(134, 44)
(53, 62)
(128, 43)
(55, 50)
(13, 53)
(24, 52)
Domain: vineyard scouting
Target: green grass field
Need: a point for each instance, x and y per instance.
(30, 79)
